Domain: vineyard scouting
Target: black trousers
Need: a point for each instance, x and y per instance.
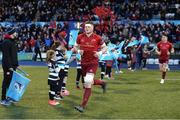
(78, 76)
(60, 84)
(144, 63)
(37, 51)
(6, 81)
(103, 69)
(65, 75)
(52, 91)
(108, 71)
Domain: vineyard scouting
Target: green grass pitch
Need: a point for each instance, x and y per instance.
(131, 95)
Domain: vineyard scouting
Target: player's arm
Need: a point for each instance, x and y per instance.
(157, 50)
(104, 48)
(172, 50)
(76, 49)
(102, 51)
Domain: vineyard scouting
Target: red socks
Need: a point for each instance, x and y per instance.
(87, 94)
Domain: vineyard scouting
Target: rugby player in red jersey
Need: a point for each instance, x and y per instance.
(90, 46)
(164, 48)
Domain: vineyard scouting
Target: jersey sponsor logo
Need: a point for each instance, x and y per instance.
(87, 43)
(93, 40)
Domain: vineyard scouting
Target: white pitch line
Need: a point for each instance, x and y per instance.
(172, 79)
(169, 79)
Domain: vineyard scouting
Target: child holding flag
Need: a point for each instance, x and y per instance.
(59, 49)
(53, 79)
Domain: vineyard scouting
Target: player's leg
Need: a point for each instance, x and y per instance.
(164, 69)
(108, 71)
(52, 93)
(167, 67)
(102, 83)
(58, 95)
(88, 81)
(102, 65)
(144, 63)
(5, 85)
(160, 68)
(129, 61)
(64, 91)
(78, 76)
(119, 65)
(82, 78)
(133, 65)
(163, 66)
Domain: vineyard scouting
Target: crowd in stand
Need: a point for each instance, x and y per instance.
(119, 32)
(81, 10)
(62, 10)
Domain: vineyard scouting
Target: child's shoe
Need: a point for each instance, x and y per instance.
(53, 102)
(65, 93)
(58, 97)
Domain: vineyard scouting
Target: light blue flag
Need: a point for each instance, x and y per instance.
(115, 57)
(132, 43)
(106, 56)
(119, 54)
(73, 37)
(17, 86)
(111, 46)
(122, 56)
(119, 47)
(78, 56)
(69, 54)
(144, 40)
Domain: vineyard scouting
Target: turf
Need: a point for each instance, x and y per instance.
(131, 95)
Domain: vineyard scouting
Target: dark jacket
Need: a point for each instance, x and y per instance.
(9, 53)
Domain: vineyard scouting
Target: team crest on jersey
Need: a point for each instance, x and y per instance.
(82, 40)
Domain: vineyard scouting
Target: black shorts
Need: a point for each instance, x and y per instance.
(128, 57)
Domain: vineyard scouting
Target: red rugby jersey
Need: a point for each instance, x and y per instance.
(89, 45)
(164, 48)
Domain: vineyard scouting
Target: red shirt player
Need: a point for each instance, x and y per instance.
(89, 44)
(164, 48)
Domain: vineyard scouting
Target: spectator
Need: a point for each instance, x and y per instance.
(9, 63)
(48, 42)
(37, 49)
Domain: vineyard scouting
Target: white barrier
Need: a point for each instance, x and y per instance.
(156, 61)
